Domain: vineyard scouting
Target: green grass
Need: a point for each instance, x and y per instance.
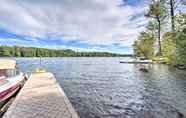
(160, 58)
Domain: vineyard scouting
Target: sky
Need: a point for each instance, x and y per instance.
(80, 25)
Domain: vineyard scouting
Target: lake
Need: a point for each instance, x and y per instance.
(104, 88)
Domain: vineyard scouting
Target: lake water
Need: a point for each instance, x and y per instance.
(104, 88)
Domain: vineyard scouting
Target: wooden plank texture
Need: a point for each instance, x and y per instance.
(41, 97)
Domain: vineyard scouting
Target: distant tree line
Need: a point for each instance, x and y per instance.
(165, 35)
(17, 51)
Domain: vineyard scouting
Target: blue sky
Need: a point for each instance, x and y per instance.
(81, 25)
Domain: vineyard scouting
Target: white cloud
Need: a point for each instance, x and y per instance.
(91, 21)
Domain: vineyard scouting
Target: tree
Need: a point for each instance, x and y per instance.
(181, 39)
(172, 6)
(168, 47)
(180, 22)
(152, 28)
(157, 11)
(172, 9)
(144, 46)
(17, 51)
(5, 51)
(181, 47)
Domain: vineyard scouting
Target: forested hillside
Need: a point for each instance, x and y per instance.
(16, 51)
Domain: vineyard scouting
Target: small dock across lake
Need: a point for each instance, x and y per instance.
(41, 97)
(143, 62)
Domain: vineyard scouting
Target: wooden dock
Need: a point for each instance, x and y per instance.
(136, 62)
(143, 62)
(41, 97)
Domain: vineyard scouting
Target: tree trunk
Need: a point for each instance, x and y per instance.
(172, 10)
(172, 14)
(159, 37)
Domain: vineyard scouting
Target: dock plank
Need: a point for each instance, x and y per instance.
(41, 97)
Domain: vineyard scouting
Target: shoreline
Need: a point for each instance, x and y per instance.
(178, 66)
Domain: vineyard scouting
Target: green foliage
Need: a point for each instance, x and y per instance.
(172, 45)
(157, 9)
(161, 58)
(180, 38)
(180, 22)
(143, 47)
(181, 47)
(15, 51)
(5, 52)
(169, 47)
(152, 27)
